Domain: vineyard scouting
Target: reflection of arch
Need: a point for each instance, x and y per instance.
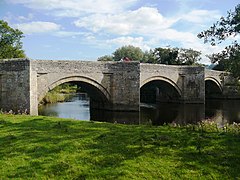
(88, 81)
(161, 78)
(212, 79)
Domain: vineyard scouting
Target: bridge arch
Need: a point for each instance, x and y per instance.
(95, 90)
(160, 88)
(213, 88)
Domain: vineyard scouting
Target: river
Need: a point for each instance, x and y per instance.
(220, 111)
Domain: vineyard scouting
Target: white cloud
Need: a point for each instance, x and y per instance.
(111, 22)
(144, 20)
(122, 41)
(38, 27)
(201, 16)
(74, 8)
(68, 33)
(30, 16)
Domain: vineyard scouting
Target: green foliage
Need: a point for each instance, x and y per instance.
(174, 56)
(188, 56)
(171, 56)
(36, 147)
(134, 53)
(228, 26)
(166, 55)
(60, 93)
(105, 58)
(149, 57)
(10, 42)
(228, 59)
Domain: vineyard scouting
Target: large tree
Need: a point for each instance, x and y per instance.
(10, 42)
(170, 56)
(132, 52)
(226, 27)
(188, 56)
(105, 58)
(175, 56)
(165, 55)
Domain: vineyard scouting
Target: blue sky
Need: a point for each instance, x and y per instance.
(88, 29)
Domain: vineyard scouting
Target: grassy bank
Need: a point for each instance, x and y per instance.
(60, 93)
(54, 148)
(54, 97)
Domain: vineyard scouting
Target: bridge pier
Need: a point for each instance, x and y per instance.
(123, 81)
(192, 84)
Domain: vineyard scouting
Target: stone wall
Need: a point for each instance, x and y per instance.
(115, 83)
(15, 85)
(111, 85)
(228, 85)
(188, 81)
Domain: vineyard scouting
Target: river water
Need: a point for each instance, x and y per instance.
(220, 111)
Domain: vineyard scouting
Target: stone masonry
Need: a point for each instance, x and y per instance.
(112, 86)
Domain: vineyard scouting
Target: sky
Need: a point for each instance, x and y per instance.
(88, 29)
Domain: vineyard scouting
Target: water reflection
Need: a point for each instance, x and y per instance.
(223, 111)
(76, 108)
(220, 111)
(172, 113)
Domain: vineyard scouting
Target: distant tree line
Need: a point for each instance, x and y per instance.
(170, 56)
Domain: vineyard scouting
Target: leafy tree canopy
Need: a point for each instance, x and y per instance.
(175, 56)
(134, 53)
(229, 26)
(171, 56)
(105, 58)
(10, 42)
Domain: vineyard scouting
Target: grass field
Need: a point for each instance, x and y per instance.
(36, 147)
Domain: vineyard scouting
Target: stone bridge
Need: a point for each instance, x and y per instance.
(116, 86)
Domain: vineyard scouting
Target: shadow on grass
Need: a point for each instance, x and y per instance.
(36, 147)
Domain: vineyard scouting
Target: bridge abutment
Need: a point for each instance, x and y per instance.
(16, 92)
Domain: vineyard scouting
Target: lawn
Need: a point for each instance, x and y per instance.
(37, 147)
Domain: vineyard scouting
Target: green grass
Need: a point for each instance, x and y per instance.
(53, 148)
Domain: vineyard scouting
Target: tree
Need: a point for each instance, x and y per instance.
(134, 53)
(10, 42)
(188, 56)
(171, 56)
(226, 27)
(105, 58)
(166, 55)
(149, 57)
(176, 56)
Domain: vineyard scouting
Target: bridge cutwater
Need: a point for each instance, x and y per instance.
(115, 86)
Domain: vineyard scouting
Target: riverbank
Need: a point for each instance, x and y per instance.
(37, 147)
(60, 93)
